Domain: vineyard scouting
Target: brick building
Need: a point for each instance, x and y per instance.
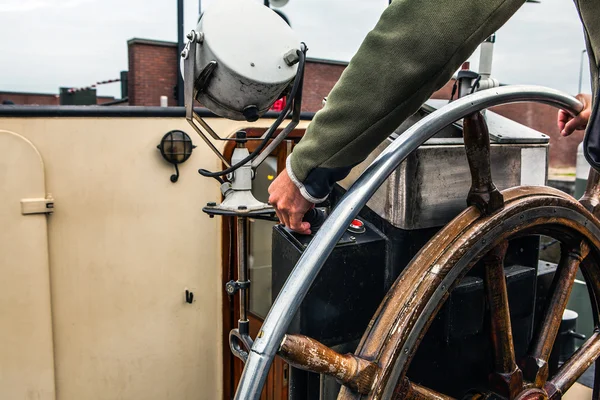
(152, 72)
(541, 117)
(319, 78)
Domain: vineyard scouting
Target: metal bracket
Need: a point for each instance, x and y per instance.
(483, 193)
(232, 287)
(189, 64)
(37, 206)
(240, 343)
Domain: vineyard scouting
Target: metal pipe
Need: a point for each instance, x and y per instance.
(180, 45)
(242, 248)
(486, 55)
(269, 149)
(314, 256)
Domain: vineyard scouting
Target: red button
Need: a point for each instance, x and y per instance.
(356, 224)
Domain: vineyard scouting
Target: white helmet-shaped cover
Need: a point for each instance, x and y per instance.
(249, 42)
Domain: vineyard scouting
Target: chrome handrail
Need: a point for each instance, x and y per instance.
(316, 253)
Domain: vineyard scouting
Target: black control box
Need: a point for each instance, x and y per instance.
(347, 291)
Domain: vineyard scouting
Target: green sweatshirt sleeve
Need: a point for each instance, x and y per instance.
(414, 49)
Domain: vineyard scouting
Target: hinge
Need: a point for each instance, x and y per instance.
(37, 206)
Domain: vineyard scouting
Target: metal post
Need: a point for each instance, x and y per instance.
(180, 46)
(581, 69)
(242, 248)
(199, 7)
(485, 56)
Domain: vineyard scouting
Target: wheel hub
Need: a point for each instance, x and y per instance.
(532, 394)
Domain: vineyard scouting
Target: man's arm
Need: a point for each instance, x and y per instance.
(415, 48)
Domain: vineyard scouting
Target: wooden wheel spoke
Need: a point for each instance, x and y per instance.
(507, 378)
(308, 354)
(535, 366)
(575, 366)
(408, 390)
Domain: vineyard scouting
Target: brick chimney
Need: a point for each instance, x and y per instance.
(152, 72)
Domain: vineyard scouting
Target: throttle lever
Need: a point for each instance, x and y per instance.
(315, 217)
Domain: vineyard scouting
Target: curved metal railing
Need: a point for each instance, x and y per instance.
(304, 273)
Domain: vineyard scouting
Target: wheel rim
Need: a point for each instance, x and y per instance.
(407, 311)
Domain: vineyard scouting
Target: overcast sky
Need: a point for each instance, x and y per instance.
(46, 44)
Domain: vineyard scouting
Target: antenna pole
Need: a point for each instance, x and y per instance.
(180, 46)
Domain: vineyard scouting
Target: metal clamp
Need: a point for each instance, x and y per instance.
(232, 287)
(240, 341)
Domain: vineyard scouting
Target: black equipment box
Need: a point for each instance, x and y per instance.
(346, 292)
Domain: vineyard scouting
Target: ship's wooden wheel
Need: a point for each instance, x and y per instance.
(407, 311)
(481, 234)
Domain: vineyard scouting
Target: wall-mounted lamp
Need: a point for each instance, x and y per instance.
(176, 147)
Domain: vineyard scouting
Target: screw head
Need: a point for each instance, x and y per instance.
(242, 208)
(230, 287)
(291, 57)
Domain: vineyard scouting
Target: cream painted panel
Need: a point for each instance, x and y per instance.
(26, 353)
(125, 243)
